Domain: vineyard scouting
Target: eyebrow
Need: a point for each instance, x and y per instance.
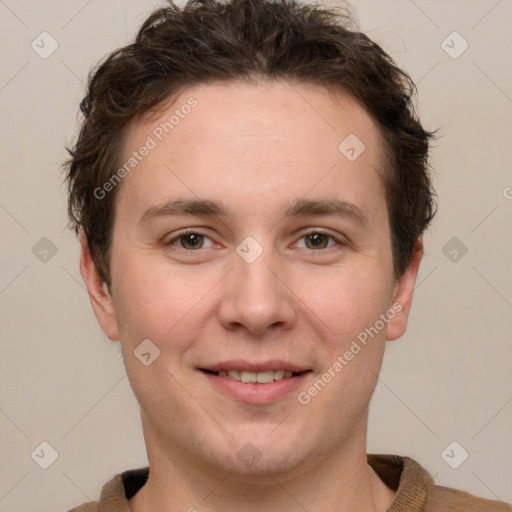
(306, 207)
(298, 208)
(185, 207)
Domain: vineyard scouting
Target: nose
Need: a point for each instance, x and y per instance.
(256, 297)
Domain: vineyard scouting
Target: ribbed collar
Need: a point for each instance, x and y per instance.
(402, 474)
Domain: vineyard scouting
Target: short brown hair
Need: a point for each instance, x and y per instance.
(208, 40)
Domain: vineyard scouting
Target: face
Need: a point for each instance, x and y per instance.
(248, 244)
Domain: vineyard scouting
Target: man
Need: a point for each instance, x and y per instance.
(251, 186)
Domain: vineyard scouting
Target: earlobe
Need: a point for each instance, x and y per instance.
(98, 291)
(403, 294)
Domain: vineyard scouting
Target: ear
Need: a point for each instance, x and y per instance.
(99, 294)
(402, 295)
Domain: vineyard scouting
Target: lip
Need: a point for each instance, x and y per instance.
(251, 366)
(251, 393)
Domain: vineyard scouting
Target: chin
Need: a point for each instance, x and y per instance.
(252, 462)
(264, 452)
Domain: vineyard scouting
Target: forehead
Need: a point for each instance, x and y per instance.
(273, 140)
(234, 111)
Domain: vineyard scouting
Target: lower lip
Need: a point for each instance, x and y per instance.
(257, 394)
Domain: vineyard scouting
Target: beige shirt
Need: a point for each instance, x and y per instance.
(415, 490)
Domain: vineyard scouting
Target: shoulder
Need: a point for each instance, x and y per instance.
(453, 500)
(416, 491)
(112, 499)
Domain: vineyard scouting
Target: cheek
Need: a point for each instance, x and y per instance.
(350, 305)
(152, 299)
(349, 299)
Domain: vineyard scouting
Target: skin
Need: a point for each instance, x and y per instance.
(255, 148)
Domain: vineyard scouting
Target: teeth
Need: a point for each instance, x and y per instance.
(248, 376)
(278, 374)
(260, 377)
(233, 374)
(265, 377)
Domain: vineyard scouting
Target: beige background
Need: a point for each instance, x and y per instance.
(448, 379)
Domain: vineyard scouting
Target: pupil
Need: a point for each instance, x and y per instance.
(316, 239)
(192, 240)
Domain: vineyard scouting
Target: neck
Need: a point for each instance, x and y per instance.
(341, 482)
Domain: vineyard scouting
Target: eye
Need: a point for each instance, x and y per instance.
(317, 240)
(191, 240)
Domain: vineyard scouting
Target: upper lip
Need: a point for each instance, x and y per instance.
(251, 366)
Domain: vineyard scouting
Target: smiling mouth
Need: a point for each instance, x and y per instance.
(247, 377)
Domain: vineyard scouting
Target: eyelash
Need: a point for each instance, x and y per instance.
(186, 232)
